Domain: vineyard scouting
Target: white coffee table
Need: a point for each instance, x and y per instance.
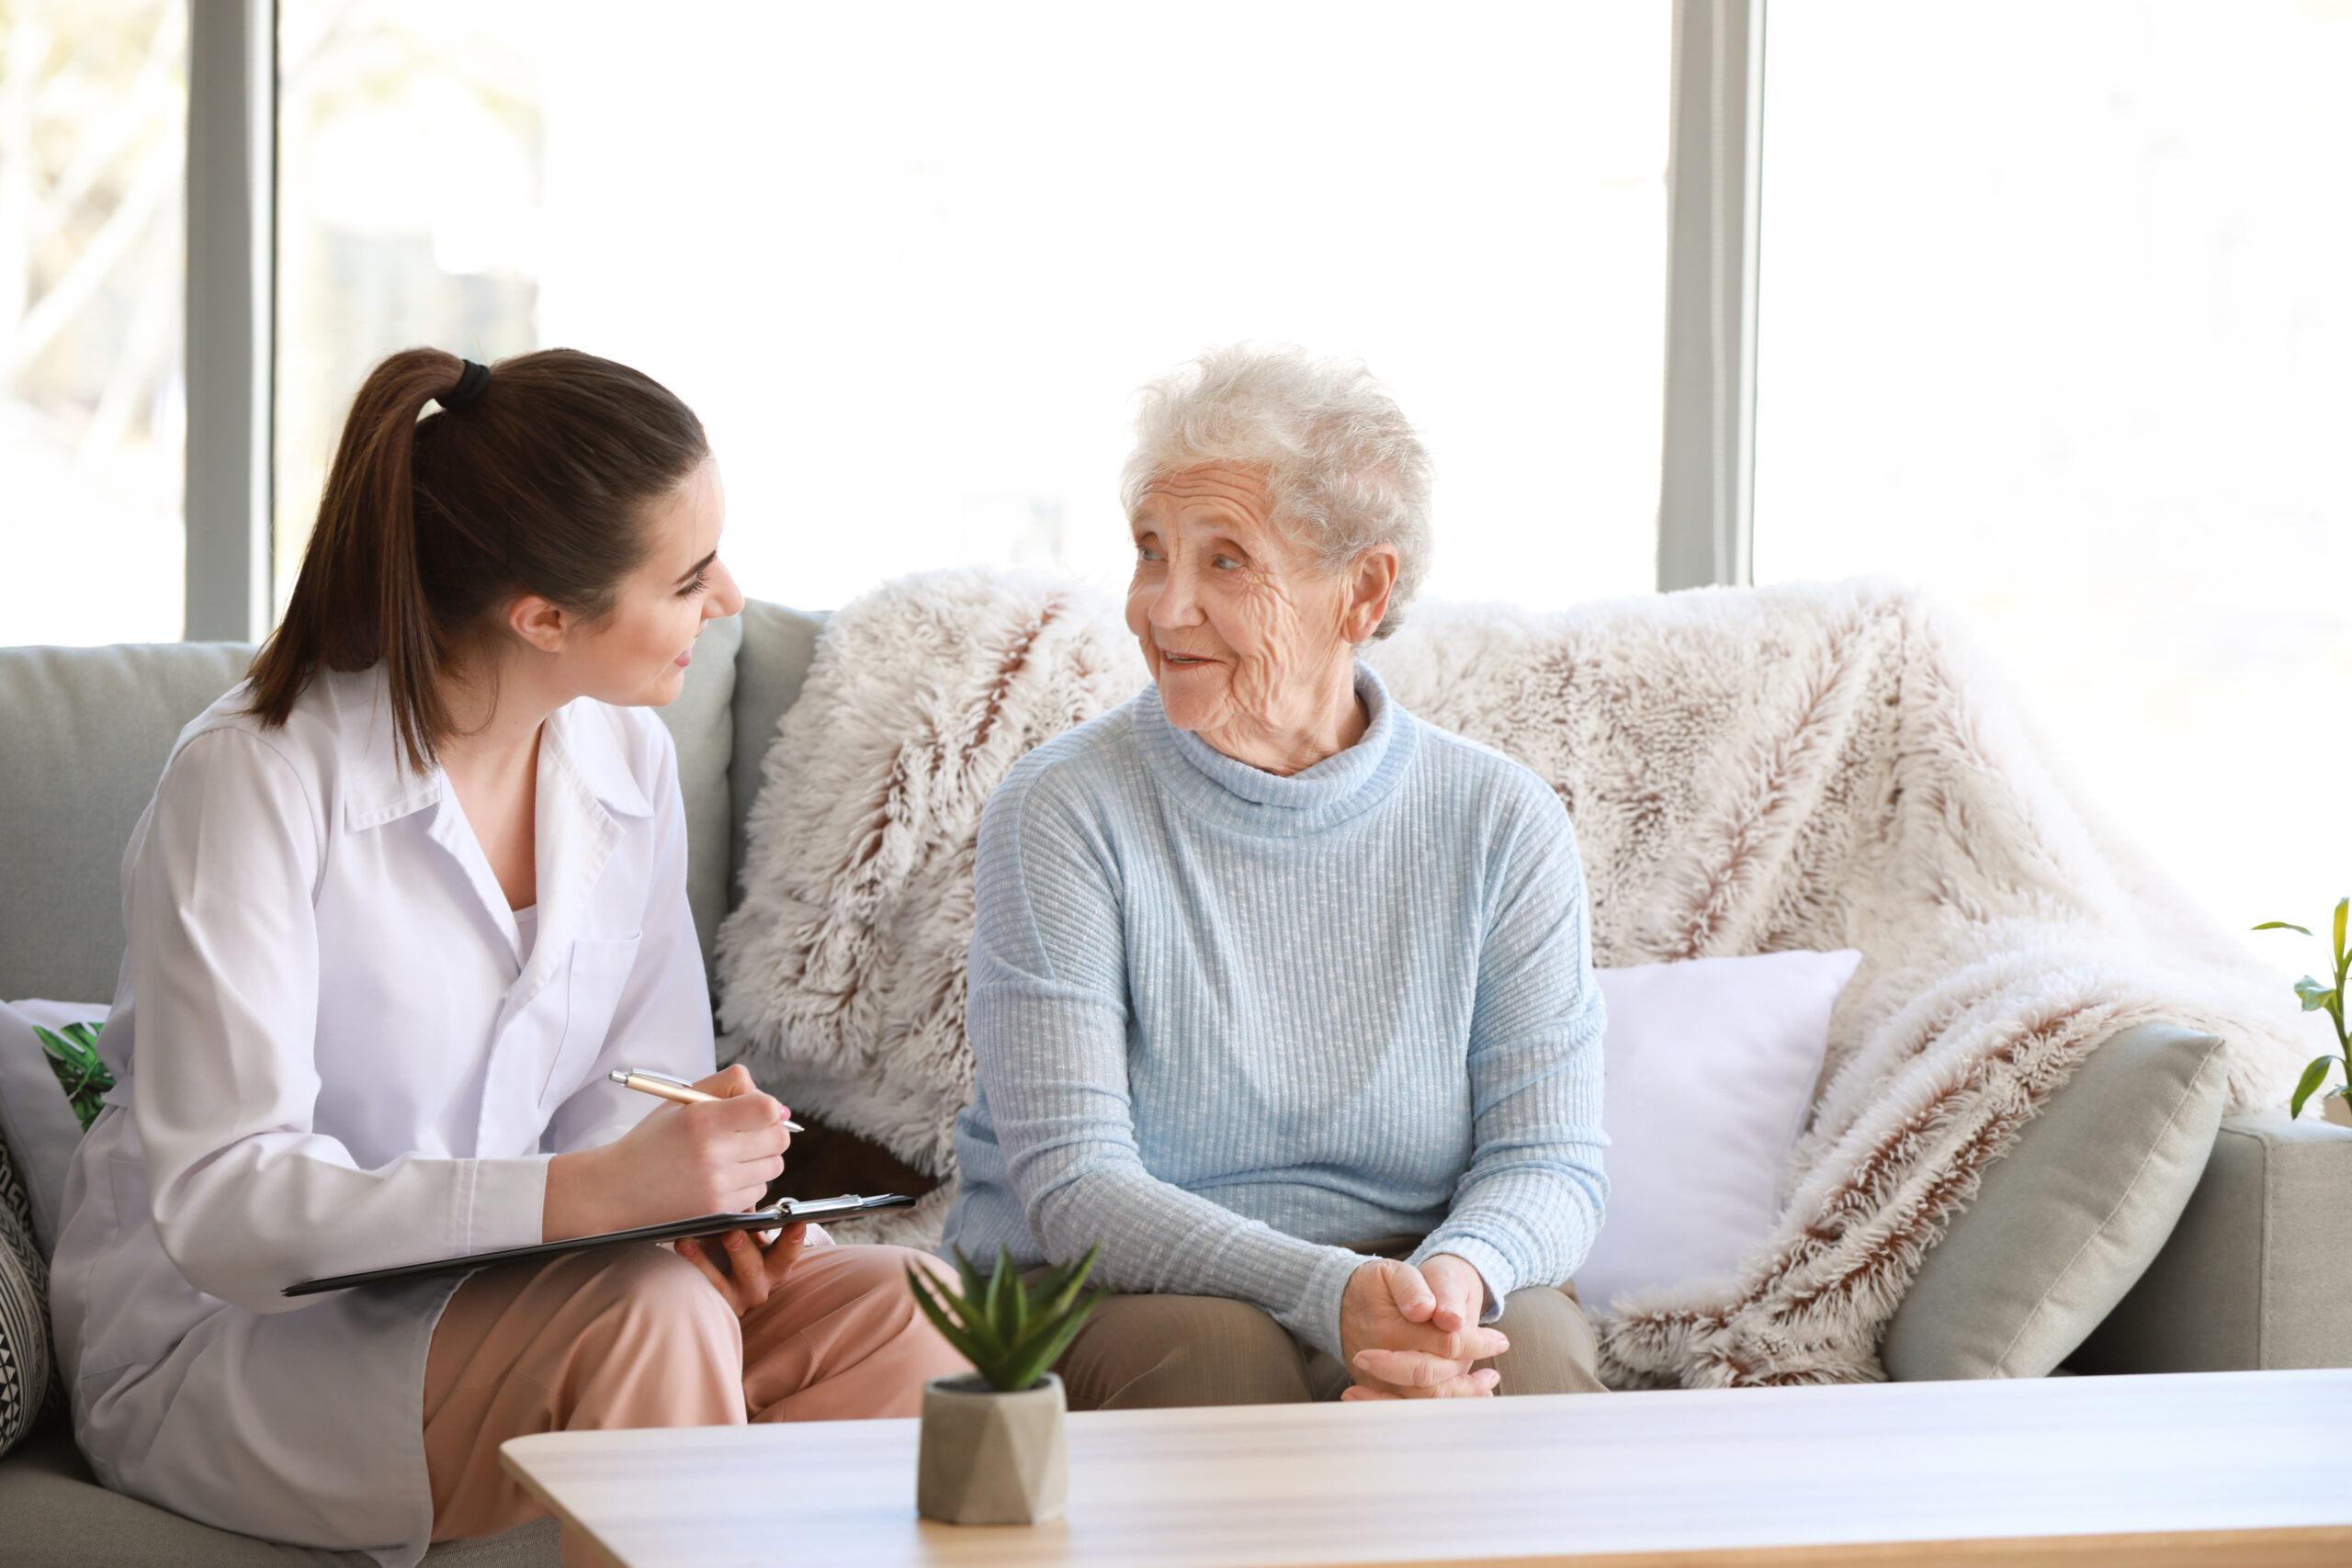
(2235, 1469)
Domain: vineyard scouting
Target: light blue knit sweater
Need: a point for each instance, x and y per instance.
(1229, 1024)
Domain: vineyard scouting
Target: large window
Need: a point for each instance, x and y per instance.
(92, 152)
(910, 260)
(2056, 312)
(407, 199)
(2054, 303)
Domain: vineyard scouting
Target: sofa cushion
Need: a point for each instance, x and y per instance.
(777, 645)
(1711, 1065)
(701, 722)
(84, 732)
(53, 1515)
(2070, 1217)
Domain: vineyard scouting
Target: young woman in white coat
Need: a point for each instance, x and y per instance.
(401, 901)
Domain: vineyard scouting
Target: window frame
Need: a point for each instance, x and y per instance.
(1704, 492)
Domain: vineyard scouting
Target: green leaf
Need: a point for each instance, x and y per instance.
(1049, 1285)
(1040, 1356)
(68, 1059)
(80, 1071)
(966, 1346)
(932, 1308)
(971, 1313)
(1010, 1329)
(2343, 907)
(2314, 994)
(2282, 926)
(1017, 1330)
(975, 1287)
(984, 1337)
(998, 1305)
(2313, 1076)
(1065, 1292)
(1023, 1372)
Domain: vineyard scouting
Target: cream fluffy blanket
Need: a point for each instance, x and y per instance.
(1749, 771)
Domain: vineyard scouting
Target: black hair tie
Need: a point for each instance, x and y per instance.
(471, 381)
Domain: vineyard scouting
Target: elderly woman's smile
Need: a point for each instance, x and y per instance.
(1250, 632)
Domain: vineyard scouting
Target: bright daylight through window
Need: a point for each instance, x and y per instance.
(2052, 301)
(2056, 317)
(93, 154)
(910, 267)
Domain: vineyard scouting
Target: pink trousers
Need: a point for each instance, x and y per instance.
(636, 1337)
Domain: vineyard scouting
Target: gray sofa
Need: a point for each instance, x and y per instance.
(2252, 1276)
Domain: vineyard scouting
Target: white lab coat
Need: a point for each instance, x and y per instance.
(334, 1052)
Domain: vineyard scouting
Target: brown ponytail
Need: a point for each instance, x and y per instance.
(539, 485)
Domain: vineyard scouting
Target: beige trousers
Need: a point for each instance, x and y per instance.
(636, 1337)
(1153, 1352)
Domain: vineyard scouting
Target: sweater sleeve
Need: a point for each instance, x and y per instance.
(1048, 1013)
(1526, 1210)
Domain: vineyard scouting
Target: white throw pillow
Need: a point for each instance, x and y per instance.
(1710, 1067)
(35, 1116)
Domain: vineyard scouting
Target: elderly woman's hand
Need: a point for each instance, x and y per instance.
(1407, 1334)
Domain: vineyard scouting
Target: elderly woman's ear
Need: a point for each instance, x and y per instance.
(1371, 579)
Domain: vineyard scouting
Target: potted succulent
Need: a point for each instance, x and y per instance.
(2318, 997)
(995, 1448)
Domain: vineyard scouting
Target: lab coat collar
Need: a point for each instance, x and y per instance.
(382, 789)
(585, 789)
(589, 742)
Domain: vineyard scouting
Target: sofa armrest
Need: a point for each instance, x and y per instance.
(2257, 1273)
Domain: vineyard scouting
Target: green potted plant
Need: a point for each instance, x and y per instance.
(2329, 999)
(995, 1448)
(73, 1058)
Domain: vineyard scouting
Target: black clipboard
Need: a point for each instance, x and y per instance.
(789, 1211)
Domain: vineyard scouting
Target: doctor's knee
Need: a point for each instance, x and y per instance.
(657, 1307)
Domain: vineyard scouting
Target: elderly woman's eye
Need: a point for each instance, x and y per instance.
(1223, 562)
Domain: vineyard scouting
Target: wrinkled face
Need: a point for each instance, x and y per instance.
(636, 655)
(1243, 626)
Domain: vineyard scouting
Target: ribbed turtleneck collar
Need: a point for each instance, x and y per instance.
(1235, 794)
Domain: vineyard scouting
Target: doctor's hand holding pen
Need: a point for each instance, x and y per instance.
(748, 1267)
(715, 1155)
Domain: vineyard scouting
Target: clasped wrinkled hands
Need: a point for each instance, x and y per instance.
(1413, 1333)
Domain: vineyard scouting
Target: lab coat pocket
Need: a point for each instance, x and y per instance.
(600, 970)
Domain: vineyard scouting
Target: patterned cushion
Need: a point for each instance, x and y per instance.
(24, 1312)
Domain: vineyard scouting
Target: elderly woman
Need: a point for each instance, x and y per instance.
(1283, 997)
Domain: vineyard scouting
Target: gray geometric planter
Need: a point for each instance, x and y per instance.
(990, 1458)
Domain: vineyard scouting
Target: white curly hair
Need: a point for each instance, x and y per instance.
(1344, 469)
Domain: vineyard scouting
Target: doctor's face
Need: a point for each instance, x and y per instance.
(636, 655)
